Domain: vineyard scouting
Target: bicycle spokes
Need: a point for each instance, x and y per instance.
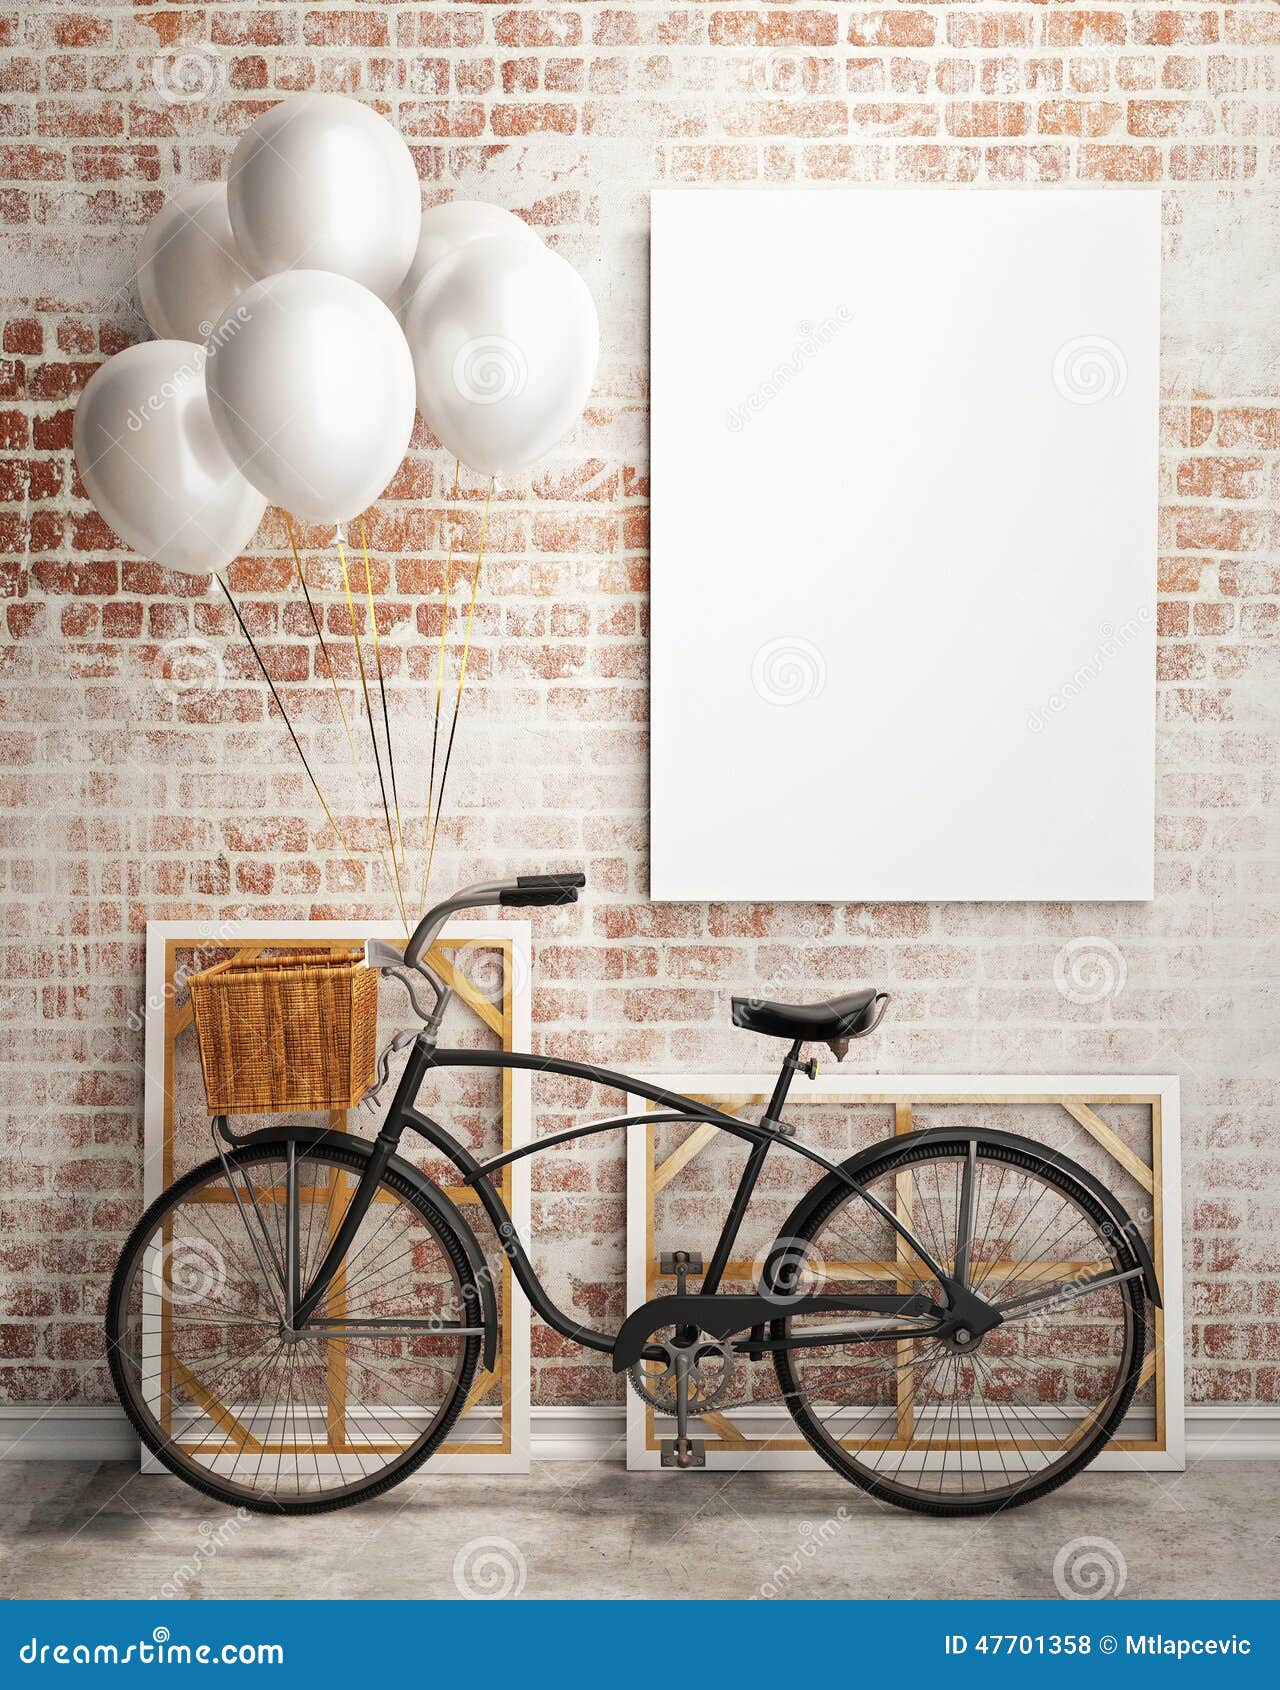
(966, 1416)
(249, 1405)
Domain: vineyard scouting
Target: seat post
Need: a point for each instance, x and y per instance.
(790, 1063)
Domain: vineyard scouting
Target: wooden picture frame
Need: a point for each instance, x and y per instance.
(769, 1441)
(492, 1436)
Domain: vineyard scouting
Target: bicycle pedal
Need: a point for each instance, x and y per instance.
(695, 1455)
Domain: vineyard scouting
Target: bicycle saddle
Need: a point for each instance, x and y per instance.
(819, 1023)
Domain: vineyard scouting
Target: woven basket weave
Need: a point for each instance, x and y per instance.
(289, 1032)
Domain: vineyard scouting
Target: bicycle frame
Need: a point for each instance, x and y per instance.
(771, 1130)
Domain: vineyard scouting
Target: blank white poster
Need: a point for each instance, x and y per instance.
(903, 543)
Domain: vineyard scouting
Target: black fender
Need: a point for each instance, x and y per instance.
(309, 1134)
(1122, 1227)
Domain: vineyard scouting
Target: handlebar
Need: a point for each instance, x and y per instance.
(525, 891)
(543, 889)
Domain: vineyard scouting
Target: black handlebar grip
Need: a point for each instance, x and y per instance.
(518, 897)
(571, 877)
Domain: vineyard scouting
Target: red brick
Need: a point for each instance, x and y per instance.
(1171, 117)
(971, 118)
(1175, 29)
(1063, 28)
(1079, 117)
(1119, 164)
(904, 28)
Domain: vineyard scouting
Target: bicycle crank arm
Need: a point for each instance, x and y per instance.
(721, 1315)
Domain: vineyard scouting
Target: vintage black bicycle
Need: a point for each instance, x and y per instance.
(339, 1307)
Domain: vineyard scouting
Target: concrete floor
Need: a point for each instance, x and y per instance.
(104, 1530)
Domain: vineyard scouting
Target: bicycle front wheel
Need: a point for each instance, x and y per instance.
(292, 1423)
(945, 1428)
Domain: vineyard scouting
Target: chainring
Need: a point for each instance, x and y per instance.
(710, 1378)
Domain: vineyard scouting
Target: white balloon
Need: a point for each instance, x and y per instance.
(504, 338)
(190, 269)
(321, 182)
(445, 228)
(311, 389)
(153, 464)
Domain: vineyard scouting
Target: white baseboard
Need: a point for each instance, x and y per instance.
(559, 1434)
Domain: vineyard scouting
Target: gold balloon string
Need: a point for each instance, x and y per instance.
(435, 728)
(364, 684)
(284, 714)
(333, 681)
(382, 691)
(462, 673)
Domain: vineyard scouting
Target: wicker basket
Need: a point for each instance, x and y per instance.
(287, 1032)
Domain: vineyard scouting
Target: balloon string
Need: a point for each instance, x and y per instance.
(382, 690)
(364, 683)
(288, 724)
(444, 626)
(462, 673)
(333, 681)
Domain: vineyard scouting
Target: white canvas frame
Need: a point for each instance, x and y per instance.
(904, 460)
(772, 1421)
(515, 1334)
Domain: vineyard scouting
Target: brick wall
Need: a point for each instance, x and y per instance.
(128, 795)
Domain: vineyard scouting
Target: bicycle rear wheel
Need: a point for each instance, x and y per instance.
(949, 1429)
(225, 1397)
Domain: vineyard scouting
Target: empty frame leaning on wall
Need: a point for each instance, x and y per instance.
(487, 965)
(904, 466)
(1124, 1129)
